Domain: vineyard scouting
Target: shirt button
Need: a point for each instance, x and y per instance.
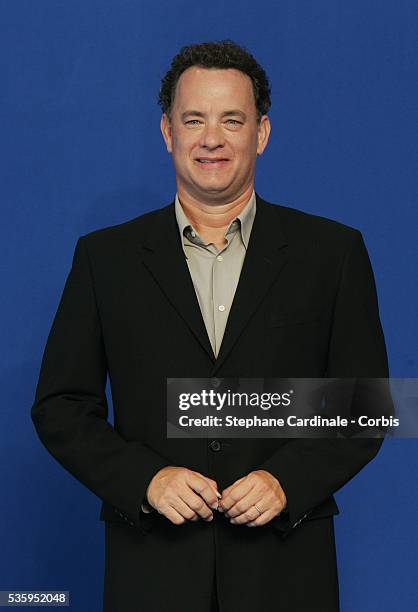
(219, 258)
(221, 307)
(215, 445)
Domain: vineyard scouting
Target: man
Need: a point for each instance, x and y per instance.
(217, 284)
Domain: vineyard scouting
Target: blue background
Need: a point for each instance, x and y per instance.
(81, 148)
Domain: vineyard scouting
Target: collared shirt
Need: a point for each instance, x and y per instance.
(215, 272)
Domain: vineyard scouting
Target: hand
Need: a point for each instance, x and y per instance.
(258, 488)
(181, 494)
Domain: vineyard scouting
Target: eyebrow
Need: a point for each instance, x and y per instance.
(228, 113)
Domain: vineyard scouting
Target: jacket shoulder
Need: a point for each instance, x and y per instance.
(303, 227)
(294, 217)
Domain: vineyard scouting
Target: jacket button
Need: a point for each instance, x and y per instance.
(215, 445)
(215, 382)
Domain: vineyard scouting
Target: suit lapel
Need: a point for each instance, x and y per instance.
(163, 256)
(264, 259)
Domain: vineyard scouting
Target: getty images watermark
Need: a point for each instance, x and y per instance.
(292, 407)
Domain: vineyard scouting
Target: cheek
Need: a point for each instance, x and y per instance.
(179, 154)
(182, 147)
(246, 152)
(246, 144)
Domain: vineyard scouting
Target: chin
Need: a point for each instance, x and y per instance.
(213, 189)
(214, 185)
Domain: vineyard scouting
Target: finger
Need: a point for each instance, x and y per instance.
(197, 504)
(172, 515)
(185, 510)
(249, 507)
(229, 492)
(214, 485)
(262, 519)
(236, 494)
(226, 491)
(254, 503)
(200, 485)
(249, 514)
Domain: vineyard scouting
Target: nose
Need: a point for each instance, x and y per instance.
(212, 136)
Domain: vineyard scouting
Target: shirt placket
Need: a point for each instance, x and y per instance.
(221, 296)
(219, 301)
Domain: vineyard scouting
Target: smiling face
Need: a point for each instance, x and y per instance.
(213, 134)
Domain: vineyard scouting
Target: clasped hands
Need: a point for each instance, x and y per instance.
(181, 494)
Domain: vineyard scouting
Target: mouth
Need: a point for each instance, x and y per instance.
(211, 162)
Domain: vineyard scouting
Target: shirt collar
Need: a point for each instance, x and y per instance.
(246, 218)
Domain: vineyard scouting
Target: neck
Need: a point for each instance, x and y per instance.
(214, 218)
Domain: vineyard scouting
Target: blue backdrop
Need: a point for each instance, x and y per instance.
(81, 149)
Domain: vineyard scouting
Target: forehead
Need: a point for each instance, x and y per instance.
(203, 86)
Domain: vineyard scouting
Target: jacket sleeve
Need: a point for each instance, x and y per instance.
(70, 408)
(311, 470)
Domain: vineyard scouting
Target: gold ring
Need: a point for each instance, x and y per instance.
(258, 509)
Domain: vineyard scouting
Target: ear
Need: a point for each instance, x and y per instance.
(264, 130)
(165, 126)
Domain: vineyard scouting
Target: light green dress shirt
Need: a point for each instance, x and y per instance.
(215, 272)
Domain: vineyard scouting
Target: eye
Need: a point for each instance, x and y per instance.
(234, 122)
(193, 121)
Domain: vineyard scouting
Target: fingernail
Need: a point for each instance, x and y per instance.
(232, 521)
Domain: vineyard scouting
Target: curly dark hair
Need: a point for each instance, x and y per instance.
(216, 54)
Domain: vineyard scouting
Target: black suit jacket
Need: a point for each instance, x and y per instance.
(305, 306)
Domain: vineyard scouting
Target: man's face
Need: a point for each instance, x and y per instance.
(213, 133)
